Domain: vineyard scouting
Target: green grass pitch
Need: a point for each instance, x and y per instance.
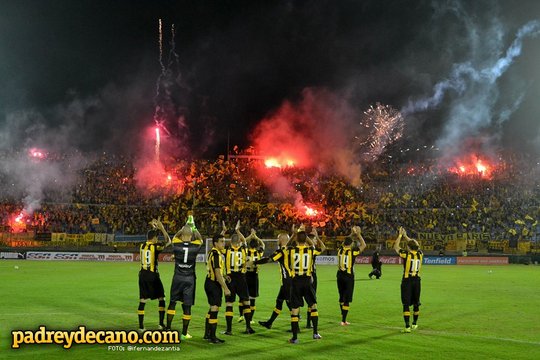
(468, 312)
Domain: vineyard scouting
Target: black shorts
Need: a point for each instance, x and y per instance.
(345, 285)
(410, 291)
(252, 281)
(238, 286)
(285, 290)
(214, 292)
(183, 289)
(150, 285)
(302, 288)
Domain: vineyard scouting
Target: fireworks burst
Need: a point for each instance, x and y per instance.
(386, 124)
(160, 44)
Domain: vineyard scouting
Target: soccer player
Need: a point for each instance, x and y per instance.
(376, 265)
(235, 274)
(186, 245)
(410, 283)
(150, 285)
(215, 286)
(255, 251)
(301, 257)
(319, 245)
(282, 256)
(346, 255)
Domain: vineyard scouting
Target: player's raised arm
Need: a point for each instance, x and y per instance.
(410, 240)
(159, 225)
(241, 236)
(253, 235)
(357, 231)
(191, 223)
(398, 240)
(197, 235)
(223, 229)
(319, 244)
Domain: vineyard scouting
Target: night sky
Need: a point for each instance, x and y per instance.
(83, 74)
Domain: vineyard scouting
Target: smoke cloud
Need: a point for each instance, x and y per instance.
(471, 94)
(66, 138)
(316, 131)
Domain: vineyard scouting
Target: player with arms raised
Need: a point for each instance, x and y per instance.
(150, 285)
(301, 258)
(186, 245)
(235, 274)
(255, 251)
(410, 283)
(346, 255)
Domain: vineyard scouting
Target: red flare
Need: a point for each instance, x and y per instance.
(37, 153)
(310, 212)
(280, 163)
(473, 166)
(17, 222)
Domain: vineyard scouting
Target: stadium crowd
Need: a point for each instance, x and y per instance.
(424, 198)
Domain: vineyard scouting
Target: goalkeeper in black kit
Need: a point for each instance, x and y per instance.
(376, 265)
(186, 245)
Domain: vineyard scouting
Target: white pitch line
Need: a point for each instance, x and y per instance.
(446, 333)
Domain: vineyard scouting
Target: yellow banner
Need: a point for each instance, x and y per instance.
(58, 236)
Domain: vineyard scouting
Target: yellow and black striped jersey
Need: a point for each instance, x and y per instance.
(235, 259)
(282, 256)
(301, 260)
(149, 252)
(215, 262)
(412, 262)
(252, 256)
(346, 257)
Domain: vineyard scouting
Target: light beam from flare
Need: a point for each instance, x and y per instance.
(158, 144)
